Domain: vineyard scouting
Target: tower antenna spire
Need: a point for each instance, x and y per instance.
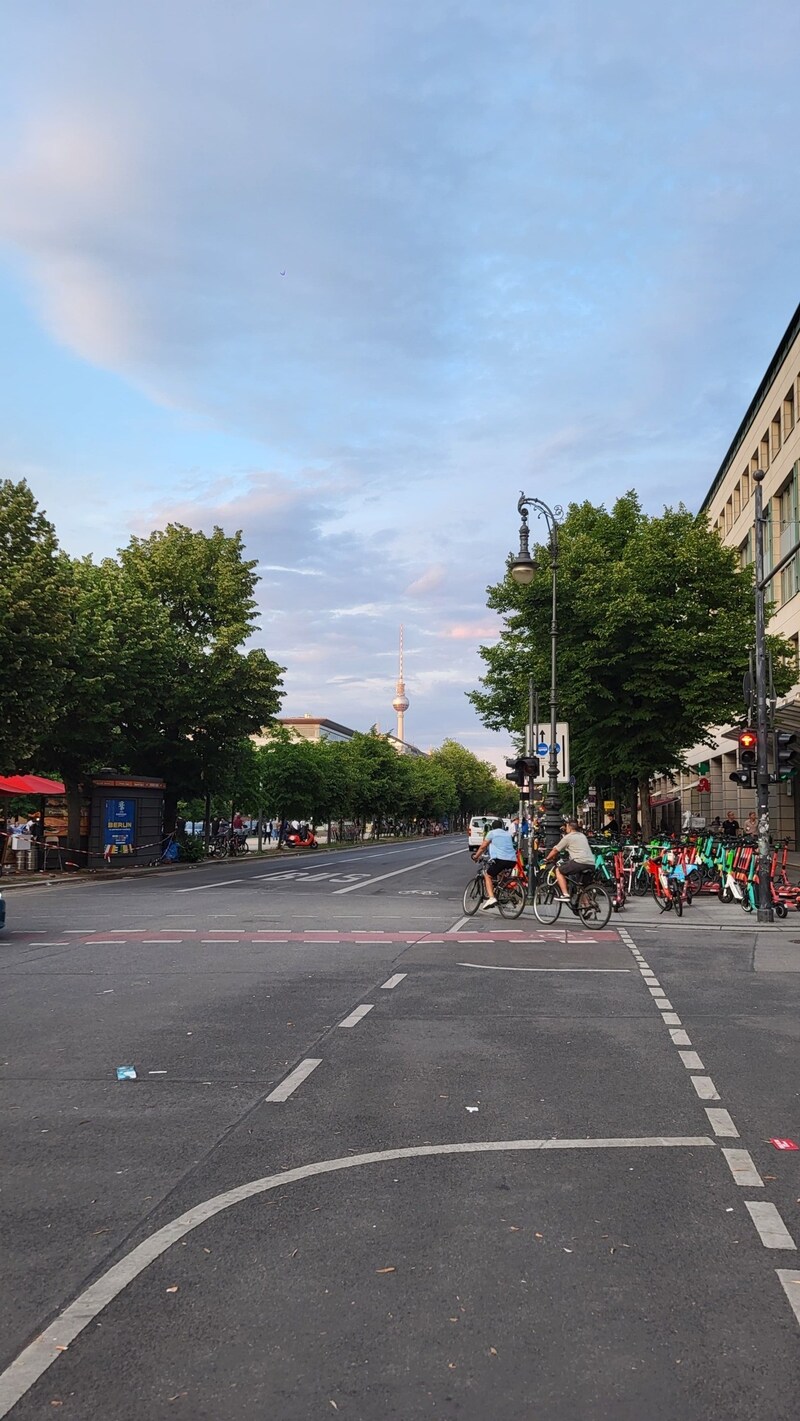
(400, 702)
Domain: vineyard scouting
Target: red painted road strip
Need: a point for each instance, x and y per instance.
(331, 936)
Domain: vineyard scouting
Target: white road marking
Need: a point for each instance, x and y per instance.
(380, 877)
(691, 1060)
(93, 942)
(201, 887)
(462, 923)
(671, 1018)
(705, 1087)
(663, 1004)
(770, 1226)
(393, 981)
(740, 1164)
(680, 1038)
(721, 1123)
(294, 1079)
(79, 932)
(490, 967)
(48, 944)
(221, 940)
(358, 1015)
(656, 991)
(790, 1282)
(154, 941)
(40, 1354)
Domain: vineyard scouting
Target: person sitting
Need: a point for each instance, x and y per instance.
(499, 846)
(579, 856)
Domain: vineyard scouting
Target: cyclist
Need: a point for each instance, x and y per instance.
(499, 846)
(579, 857)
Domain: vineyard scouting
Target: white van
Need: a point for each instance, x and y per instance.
(478, 825)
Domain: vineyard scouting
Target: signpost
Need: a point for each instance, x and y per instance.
(562, 749)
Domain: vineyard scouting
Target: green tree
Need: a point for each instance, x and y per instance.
(118, 651)
(215, 694)
(476, 786)
(655, 617)
(34, 626)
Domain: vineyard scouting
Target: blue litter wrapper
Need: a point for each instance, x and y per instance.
(126, 1073)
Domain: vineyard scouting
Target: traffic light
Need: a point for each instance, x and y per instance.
(748, 749)
(532, 767)
(517, 775)
(786, 748)
(743, 777)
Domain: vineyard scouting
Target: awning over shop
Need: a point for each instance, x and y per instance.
(657, 799)
(29, 784)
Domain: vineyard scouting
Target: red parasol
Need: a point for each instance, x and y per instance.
(29, 784)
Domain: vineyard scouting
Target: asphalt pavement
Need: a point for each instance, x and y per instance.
(380, 1160)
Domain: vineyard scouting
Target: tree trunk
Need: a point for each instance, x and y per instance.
(170, 811)
(73, 788)
(645, 809)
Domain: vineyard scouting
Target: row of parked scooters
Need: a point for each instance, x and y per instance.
(677, 873)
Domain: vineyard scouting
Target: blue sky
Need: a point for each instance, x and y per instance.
(349, 276)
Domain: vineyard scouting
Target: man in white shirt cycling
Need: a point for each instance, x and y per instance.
(499, 848)
(579, 856)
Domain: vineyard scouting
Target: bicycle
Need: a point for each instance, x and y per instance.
(588, 900)
(509, 890)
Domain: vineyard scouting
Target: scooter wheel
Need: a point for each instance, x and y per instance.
(781, 910)
(726, 896)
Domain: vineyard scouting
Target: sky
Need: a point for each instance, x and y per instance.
(350, 276)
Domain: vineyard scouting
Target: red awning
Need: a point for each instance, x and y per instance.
(29, 784)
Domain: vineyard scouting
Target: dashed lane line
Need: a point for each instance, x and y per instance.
(740, 1163)
(691, 1060)
(705, 1087)
(492, 967)
(789, 1279)
(770, 1226)
(295, 1078)
(393, 981)
(44, 1350)
(203, 887)
(721, 1123)
(357, 1015)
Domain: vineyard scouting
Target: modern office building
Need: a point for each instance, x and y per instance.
(768, 438)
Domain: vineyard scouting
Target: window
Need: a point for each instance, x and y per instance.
(763, 450)
(788, 536)
(746, 550)
(728, 514)
(737, 501)
(754, 462)
(788, 413)
(775, 435)
(745, 487)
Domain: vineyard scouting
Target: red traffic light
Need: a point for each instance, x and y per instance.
(748, 740)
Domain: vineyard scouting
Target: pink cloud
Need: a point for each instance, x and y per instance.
(471, 631)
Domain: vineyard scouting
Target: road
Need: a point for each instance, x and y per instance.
(381, 1161)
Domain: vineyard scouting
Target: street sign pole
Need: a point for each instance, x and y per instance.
(765, 913)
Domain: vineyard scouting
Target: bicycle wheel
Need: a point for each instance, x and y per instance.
(473, 895)
(511, 899)
(641, 883)
(677, 901)
(594, 906)
(221, 847)
(546, 903)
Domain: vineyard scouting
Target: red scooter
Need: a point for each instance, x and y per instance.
(301, 838)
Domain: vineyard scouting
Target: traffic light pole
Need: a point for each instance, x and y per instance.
(765, 913)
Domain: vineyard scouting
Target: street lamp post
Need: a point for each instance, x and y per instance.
(522, 569)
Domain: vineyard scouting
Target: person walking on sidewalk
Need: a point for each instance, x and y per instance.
(499, 846)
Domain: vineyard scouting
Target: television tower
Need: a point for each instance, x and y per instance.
(400, 702)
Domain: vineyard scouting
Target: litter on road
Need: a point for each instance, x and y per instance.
(126, 1073)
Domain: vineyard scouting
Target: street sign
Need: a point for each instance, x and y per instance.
(562, 749)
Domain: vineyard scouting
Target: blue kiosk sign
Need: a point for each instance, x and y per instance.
(119, 827)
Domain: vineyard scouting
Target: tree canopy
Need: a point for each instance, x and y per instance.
(655, 616)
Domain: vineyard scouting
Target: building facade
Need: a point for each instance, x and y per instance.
(768, 438)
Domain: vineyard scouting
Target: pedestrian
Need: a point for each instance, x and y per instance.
(750, 826)
(730, 825)
(716, 825)
(268, 831)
